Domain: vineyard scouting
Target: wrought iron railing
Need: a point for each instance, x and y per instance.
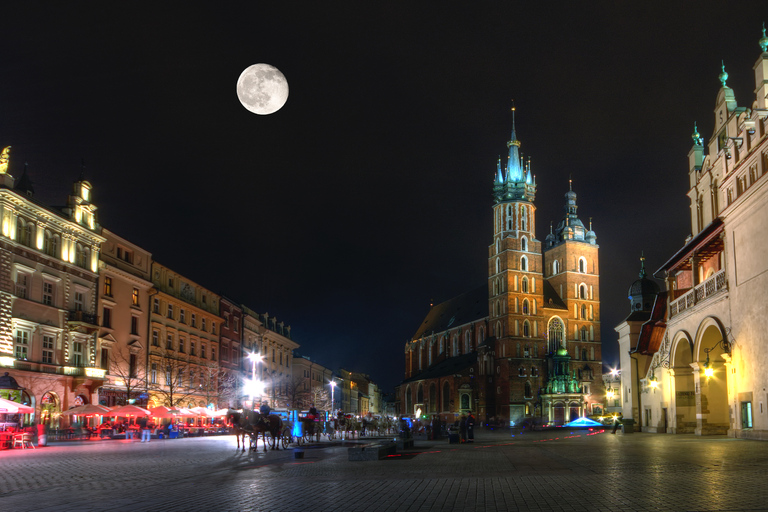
(715, 284)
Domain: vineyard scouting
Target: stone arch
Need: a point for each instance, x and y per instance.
(712, 414)
(681, 357)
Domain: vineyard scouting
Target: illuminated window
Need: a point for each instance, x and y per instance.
(22, 281)
(108, 286)
(79, 301)
(22, 344)
(48, 349)
(135, 297)
(77, 354)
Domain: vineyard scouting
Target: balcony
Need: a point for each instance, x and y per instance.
(712, 286)
(82, 321)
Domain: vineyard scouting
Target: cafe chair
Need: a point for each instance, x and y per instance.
(25, 440)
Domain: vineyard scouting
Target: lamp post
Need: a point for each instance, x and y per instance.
(254, 357)
(333, 386)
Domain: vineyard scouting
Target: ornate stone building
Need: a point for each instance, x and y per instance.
(697, 362)
(526, 346)
(48, 291)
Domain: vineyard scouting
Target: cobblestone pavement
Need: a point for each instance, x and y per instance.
(562, 471)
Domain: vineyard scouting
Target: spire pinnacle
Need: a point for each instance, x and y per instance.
(764, 41)
(514, 141)
(642, 265)
(697, 140)
(723, 76)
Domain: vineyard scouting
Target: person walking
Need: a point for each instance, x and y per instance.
(471, 428)
(463, 428)
(146, 433)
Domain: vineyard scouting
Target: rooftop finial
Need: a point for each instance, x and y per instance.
(764, 40)
(642, 265)
(570, 182)
(723, 76)
(514, 141)
(697, 140)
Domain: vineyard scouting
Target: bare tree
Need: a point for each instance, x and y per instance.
(125, 365)
(321, 398)
(298, 397)
(168, 372)
(219, 386)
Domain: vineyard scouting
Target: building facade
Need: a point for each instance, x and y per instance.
(183, 355)
(123, 305)
(48, 297)
(525, 347)
(231, 356)
(698, 359)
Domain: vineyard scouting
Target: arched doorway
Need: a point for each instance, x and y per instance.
(558, 411)
(684, 421)
(50, 410)
(712, 413)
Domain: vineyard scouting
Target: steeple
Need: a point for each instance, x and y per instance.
(571, 227)
(514, 182)
(643, 292)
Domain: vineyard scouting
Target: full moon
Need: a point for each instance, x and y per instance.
(262, 89)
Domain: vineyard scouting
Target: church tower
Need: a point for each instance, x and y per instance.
(514, 262)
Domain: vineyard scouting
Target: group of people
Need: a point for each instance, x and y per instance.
(467, 428)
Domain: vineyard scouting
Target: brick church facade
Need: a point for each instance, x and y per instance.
(523, 348)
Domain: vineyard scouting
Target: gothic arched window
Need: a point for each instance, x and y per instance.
(523, 263)
(556, 330)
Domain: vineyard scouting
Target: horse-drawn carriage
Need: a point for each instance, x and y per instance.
(251, 423)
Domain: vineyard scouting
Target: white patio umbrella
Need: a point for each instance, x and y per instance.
(125, 411)
(88, 410)
(9, 407)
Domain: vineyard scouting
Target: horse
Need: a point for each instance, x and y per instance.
(233, 419)
(254, 424)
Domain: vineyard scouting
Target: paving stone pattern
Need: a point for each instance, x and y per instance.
(540, 471)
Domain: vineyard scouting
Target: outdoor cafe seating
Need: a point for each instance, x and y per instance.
(23, 439)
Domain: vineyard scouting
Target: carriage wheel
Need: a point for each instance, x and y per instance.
(286, 438)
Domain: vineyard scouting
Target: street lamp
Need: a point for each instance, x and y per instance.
(333, 386)
(254, 357)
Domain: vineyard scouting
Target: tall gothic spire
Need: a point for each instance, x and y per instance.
(515, 181)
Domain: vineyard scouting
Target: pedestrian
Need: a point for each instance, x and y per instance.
(144, 425)
(42, 438)
(470, 428)
(463, 428)
(615, 425)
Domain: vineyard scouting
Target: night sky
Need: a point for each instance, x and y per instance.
(368, 195)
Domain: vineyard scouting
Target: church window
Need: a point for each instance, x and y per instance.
(555, 267)
(467, 342)
(498, 329)
(521, 372)
(528, 394)
(524, 219)
(498, 245)
(525, 307)
(442, 344)
(509, 218)
(583, 291)
(526, 329)
(524, 244)
(556, 330)
(582, 265)
(584, 352)
(498, 265)
(496, 287)
(525, 285)
(583, 311)
(523, 263)
(455, 344)
(481, 335)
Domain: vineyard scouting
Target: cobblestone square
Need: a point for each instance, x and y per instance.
(558, 470)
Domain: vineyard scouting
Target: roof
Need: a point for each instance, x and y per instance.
(706, 244)
(652, 331)
(551, 298)
(464, 309)
(446, 367)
